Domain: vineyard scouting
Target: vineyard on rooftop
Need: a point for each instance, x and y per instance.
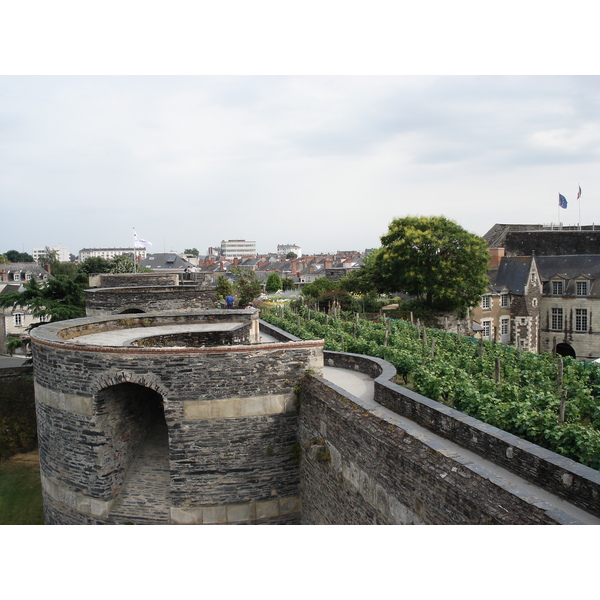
(518, 392)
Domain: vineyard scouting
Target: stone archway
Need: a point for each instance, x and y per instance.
(137, 455)
(564, 349)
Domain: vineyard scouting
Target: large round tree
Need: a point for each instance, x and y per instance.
(434, 259)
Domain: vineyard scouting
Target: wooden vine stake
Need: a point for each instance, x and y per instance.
(498, 377)
(432, 353)
(563, 395)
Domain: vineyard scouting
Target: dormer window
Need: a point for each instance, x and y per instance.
(504, 300)
(581, 288)
(486, 302)
(557, 288)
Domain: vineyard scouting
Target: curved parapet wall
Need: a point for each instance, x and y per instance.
(363, 464)
(112, 280)
(210, 433)
(138, 299)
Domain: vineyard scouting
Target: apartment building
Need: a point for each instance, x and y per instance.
(231, 249)
(109, 253)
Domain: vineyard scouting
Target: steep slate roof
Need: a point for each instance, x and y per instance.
(513, 274)
(571, 267)
(36, 270)
(166, 262)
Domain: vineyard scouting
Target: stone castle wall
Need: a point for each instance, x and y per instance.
(113, 280)
(229, 413)
(361, 467)
(107, 301)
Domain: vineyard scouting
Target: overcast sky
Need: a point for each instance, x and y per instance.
(307, 158)
(318, 161)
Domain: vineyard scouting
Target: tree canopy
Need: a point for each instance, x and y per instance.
(434, 259)
(247, 287)
(117, 264)
(274, 283)
(14, 256)
(56, 299)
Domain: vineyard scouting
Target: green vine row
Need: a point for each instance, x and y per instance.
(518, 392)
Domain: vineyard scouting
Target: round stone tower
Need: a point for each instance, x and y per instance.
(170, 417)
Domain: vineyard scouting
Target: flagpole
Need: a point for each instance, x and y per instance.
(579, 199)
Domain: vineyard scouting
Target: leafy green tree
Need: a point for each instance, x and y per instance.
(248, 287)
(288, 283)
(434, 259)
(366, 280)
(95, 264)
(193, 251)
(57, 267)
(274, 283)
(291, 255)
(224, 287)
(124, 264)
(317, 288)
(15, 256)
(56, 299)
(3, 259)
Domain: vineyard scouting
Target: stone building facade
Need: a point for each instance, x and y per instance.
(544, 304)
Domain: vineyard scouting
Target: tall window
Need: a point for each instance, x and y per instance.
(582, 288)
(556, 322)
(486, 302)
(557, 288)
(504, 323)
(504, 301)
(18, 319)
(487, 329)
(581, 319)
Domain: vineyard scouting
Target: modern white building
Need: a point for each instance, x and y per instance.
(237, 248)
(62, 254)
(109, 253)
(285, 249)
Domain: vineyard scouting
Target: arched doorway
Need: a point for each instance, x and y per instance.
(137, 457)
(565, 350)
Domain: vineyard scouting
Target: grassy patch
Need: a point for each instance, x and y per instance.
(21, 491)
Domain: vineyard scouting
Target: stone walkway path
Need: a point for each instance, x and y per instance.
(144, 497)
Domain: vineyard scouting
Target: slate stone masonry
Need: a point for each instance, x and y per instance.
(230, 415)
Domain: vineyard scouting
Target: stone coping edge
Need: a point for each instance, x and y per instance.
(558, 475)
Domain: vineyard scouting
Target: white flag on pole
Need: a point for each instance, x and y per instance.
(138, 242)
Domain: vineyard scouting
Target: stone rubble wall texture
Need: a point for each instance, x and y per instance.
(114, 280)
(359, 468)
(231, 419)
(108, 301)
